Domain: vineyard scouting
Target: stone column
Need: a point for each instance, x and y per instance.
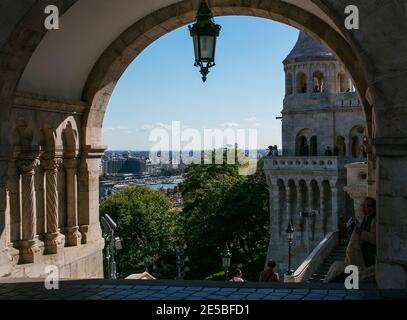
(310, 79)
(290, 205)
(88, 193)
(322, 210)
(314, 205)
(4, 211)
(52, 238)
(27, 244)
(300, 227)
(391, 173)
(357, 186)
(274, 205)
(334, 214)
(40, 199)
(13, 186)
(72, 234)
(275, 212)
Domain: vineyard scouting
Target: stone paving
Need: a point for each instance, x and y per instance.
(189, 290)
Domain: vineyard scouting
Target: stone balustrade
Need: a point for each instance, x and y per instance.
(322, 100)
(305, 163)
(314, 260)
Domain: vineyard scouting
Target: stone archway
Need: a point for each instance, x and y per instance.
(372, 71)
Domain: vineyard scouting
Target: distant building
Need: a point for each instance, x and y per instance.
(124, 166)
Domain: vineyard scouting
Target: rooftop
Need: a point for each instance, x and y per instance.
(307, 49)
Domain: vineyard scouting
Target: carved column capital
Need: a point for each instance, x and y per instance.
(51, 164)
(27, 165)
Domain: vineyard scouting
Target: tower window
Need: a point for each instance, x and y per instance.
(302, 83)
(289, 84)
(318, 82)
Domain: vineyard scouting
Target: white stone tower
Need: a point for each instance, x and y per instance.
(321, 110)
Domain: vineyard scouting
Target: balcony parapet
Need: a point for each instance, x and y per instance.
(305, 163)
(310, 101)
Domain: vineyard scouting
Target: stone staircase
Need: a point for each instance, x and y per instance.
(338, 254)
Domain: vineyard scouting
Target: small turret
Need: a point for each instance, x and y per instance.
(312, 68)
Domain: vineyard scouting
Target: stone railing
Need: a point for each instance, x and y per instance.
(346, 100)
(314, 260)
(305, 163)
(325, 100)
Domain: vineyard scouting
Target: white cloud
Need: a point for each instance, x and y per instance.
(146, 127)
(251, 119)
(229, 125)
(118, 129)
(149, 127)
(163, 125)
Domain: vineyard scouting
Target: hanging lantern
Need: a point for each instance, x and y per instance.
(204, 33)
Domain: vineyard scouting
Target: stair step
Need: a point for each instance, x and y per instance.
(338, 254)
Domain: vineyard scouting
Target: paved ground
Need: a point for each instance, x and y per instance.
(188, 290)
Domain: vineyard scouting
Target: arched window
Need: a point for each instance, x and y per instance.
(340, 149)
(314, 146)
(289, 84)
(318, 82)
(302, 146)
(343, 84)
(302, 83)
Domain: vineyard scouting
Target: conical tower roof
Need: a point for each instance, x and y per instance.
(307, 49)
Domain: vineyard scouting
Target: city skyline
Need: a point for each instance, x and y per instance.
(236, 94)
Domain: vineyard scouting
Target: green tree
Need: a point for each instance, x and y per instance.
(223, 207)
(148, 226)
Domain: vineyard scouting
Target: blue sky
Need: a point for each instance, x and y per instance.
(244, 90)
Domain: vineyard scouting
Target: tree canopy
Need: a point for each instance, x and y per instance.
(149, 228)
(220, 206)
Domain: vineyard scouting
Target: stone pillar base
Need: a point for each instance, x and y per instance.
(72, 236)
(28, 249)
(53, 242)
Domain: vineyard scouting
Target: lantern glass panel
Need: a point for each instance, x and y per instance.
(207, 46)
(196, 47)
(226, 262)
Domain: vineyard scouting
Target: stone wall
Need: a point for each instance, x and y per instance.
(47, 222)
(303, 184)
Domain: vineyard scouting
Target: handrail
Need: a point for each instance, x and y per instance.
(315, 259)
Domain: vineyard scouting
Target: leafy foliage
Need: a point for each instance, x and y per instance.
(148, 226)
(220, 206)
(223, 207)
